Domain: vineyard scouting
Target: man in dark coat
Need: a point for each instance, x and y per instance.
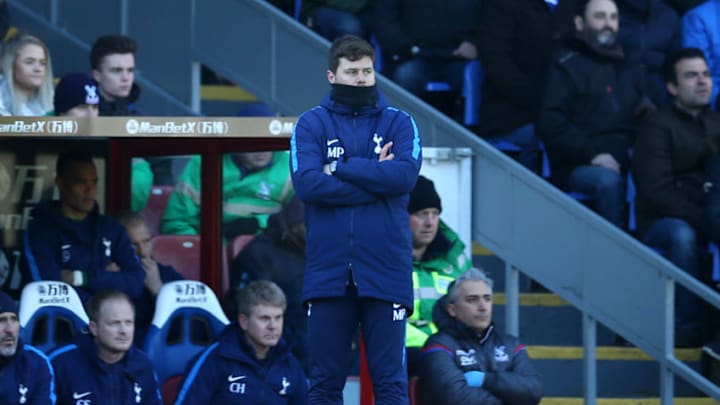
(671, 151)
(587, 116)
(468, 361)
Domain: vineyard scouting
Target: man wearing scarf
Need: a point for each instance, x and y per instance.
(592, 101)
(354, 161)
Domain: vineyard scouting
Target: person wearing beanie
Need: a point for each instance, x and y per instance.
(27, 376)
(438, 258)
(76, 95)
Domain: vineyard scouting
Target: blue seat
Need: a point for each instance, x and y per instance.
(51, 314)
(471, 91)
(188, 317)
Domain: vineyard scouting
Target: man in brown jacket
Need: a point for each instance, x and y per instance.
(671, 150)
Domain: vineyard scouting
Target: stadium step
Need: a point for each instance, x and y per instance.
(552, 331)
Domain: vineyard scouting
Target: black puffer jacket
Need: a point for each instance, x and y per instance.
(592, 101)
(510, 377)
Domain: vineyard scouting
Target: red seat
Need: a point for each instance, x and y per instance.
(170, 389)
(179, 251)
(231, 251)
(414, 391)
(155, 208)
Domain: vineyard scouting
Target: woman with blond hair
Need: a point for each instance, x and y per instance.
(26, 84)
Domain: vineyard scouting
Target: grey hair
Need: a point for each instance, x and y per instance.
(471, 274)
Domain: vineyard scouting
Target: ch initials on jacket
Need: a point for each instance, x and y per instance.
(236, 386)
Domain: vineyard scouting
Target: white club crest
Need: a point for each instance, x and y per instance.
(91, 96)
(107, 244)
(285, 384)
(378, 143)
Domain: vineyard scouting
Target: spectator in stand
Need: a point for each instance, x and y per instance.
(701, 29)
(278, 255)
(649, 31)
(468, 361)
(671, 152)
(76, 96)
(335, 18)
(69, 240)
(249, 363)
(593, 98)
(26, 84)
(515, 41)
(140, 184)
(112, 59)
(104, 367)
(255, 185)
(426, 41)
(438, 257)
(27, 376)
(156, 274)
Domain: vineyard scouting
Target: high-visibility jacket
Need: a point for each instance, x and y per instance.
(443, 261)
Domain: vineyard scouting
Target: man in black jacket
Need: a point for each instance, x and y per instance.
(591, 101)
(468, 362)
(515, 41)
(669, 170)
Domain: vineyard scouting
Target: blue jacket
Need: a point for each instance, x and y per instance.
(701, 29)
(27, 379)
(227, 372)
(357, 219)
(54, 242)
(82, 375)
(145, 306)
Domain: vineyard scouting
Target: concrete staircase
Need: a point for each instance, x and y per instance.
(552, 330)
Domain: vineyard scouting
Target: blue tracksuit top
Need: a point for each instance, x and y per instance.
(81, 375)
(357, 219)
(54, 242)
(27, 378)
(227, 372)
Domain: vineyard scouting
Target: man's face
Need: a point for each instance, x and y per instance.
(255, 160)
(600, 22)
(694, 84)
(473, 306)
(116, 75)
(353, 73)
(82, 111)
(30, 67)
(263, 328)
(78, 188)
(9, 333)
(141, 239)
(424, 226)
(115, 326)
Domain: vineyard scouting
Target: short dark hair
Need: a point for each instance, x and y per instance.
(260, 292)
(98, 299)
(350, 47)
(110, 44)
(67, 158)
(669, 67)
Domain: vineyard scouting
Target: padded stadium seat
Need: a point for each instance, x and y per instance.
(471, 91)
(188, 318)
(155, 207)
(179, 251)
(51, 314)
(170, 389)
